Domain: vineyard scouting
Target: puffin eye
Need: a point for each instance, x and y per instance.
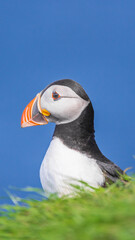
(55, 96)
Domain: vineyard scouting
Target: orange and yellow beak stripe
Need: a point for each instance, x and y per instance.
(33, 114)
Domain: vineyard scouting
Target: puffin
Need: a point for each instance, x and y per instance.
(73, 156)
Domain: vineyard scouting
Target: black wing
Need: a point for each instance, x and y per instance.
(111, 171)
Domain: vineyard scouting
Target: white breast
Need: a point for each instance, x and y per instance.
(62, 166)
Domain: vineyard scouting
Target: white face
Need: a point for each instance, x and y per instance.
(66, 108)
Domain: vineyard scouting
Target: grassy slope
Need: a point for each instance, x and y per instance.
(105, 214)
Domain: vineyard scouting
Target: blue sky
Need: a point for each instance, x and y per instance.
(92, 42)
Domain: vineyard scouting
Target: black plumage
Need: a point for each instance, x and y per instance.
(80, 134)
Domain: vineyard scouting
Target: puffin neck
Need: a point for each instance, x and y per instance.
(79, 134)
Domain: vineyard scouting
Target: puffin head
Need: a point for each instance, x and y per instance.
(61, 102)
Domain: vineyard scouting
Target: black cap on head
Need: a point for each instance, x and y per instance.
(76, 87)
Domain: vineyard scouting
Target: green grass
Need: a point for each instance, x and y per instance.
(104, 214)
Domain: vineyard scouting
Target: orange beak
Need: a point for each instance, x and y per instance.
(33, 114)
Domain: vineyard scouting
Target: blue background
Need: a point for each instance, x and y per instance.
(92, 42)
